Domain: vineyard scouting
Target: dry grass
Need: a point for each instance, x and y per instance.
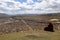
(35, 24)
(31, 35)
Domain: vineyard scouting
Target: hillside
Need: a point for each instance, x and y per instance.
(26, 23)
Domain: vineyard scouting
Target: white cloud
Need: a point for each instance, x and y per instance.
(13, 7)
(41, 5)
(29, 1)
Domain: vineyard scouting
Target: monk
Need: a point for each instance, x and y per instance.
(49, 28)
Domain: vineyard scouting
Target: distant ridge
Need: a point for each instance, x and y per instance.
(45, 14)
(51, 14)
(3, 15)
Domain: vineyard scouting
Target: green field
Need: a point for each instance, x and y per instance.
(31, 35)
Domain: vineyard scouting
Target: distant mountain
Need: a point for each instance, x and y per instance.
(48, 14)
(3, 15)
(51, 14)
(45, 14)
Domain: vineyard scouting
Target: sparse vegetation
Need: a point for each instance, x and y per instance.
(31, 35)
(18, 28)
(15, 23)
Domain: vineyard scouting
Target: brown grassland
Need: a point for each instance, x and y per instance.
(28, 28)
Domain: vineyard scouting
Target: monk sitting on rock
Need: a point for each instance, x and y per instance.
(49, 28)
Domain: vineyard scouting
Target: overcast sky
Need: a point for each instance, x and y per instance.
(29, 6)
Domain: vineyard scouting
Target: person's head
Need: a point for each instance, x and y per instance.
(50, 23)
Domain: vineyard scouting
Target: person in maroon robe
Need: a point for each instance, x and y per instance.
(49, 27)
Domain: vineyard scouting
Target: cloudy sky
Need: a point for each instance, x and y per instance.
(29, 6)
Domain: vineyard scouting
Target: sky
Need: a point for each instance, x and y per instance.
(29, 6)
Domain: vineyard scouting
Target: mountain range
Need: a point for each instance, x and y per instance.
(49, 14)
